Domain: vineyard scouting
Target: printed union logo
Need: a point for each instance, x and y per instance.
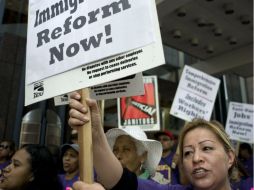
(38, 89)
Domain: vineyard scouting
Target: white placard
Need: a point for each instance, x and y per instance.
(99, 72)
(128, 86)
(239, 124)
(65, 34)
(195, 95)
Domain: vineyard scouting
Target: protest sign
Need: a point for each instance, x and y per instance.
(65, 34)
(99, 72)
(195, 95)
(239, 125)
(142, 111)
(128, 86)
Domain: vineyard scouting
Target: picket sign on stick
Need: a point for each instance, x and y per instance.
(85, 144)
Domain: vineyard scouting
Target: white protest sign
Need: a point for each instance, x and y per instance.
(195, 95)
(239, 124)
(128, 86)
(65, 34)
(99, 72)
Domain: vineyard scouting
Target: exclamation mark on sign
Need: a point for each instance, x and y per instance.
(108, 33)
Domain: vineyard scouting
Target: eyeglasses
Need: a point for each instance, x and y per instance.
(4, 146)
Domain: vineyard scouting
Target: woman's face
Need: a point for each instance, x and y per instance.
(205, 161)
(126, 152)
(18, 173)
(70, 161)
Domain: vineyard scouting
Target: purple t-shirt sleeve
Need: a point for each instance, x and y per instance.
(129, 181)
(149, 185)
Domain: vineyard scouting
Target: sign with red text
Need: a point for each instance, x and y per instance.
(65, 34)
(142, 111)
(195, 95)
(239, 124)
(99, 72)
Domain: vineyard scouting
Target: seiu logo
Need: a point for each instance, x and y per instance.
(38, 89)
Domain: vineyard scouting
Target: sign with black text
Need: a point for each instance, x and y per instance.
(65, 34)
(239, 124)
(195, 95)
(99, 72)
(127, 86)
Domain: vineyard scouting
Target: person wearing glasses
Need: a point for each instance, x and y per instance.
(7, 149)
(168, 165)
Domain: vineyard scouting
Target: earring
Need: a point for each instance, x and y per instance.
(141, 167)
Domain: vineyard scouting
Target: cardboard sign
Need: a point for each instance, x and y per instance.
(99, 72)
(195, 95)
(239, 124)
(142, 110)
(65, 34)
(128, 86)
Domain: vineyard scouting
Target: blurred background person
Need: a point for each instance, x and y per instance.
(168, 163)
(239, 179)
(245, 156)
(70, 161)
(7, 149)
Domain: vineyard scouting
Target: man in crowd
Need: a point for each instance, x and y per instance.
(168, 163)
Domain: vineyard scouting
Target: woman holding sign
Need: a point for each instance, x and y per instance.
(206, 154)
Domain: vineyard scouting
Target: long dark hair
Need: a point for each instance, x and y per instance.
(43, 168)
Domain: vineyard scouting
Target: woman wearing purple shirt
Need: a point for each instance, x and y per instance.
(206, 154)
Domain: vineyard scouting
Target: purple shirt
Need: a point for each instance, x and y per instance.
(248, 165)
(243, 184)
(148, 184)
(67, 183)
(3, 165)
(165, 169)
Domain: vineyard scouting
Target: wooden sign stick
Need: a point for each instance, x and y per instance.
(85, 145)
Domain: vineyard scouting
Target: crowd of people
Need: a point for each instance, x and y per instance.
(125, 159)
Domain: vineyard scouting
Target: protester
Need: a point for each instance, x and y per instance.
(70, 159)
(240, 179)
(168, 163)
(246, 157)
(7, 149)
(206, 154)
(32, 168)
(135, 151)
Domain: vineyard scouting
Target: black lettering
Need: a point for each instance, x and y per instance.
(56, 33)
(75, 48)
(58, 54)
(92, 42)
(56, 9)
(43, 35)
(115, 7)
(77, 24)
(92, 16)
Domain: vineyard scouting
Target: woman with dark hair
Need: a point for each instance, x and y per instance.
(32, 168)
